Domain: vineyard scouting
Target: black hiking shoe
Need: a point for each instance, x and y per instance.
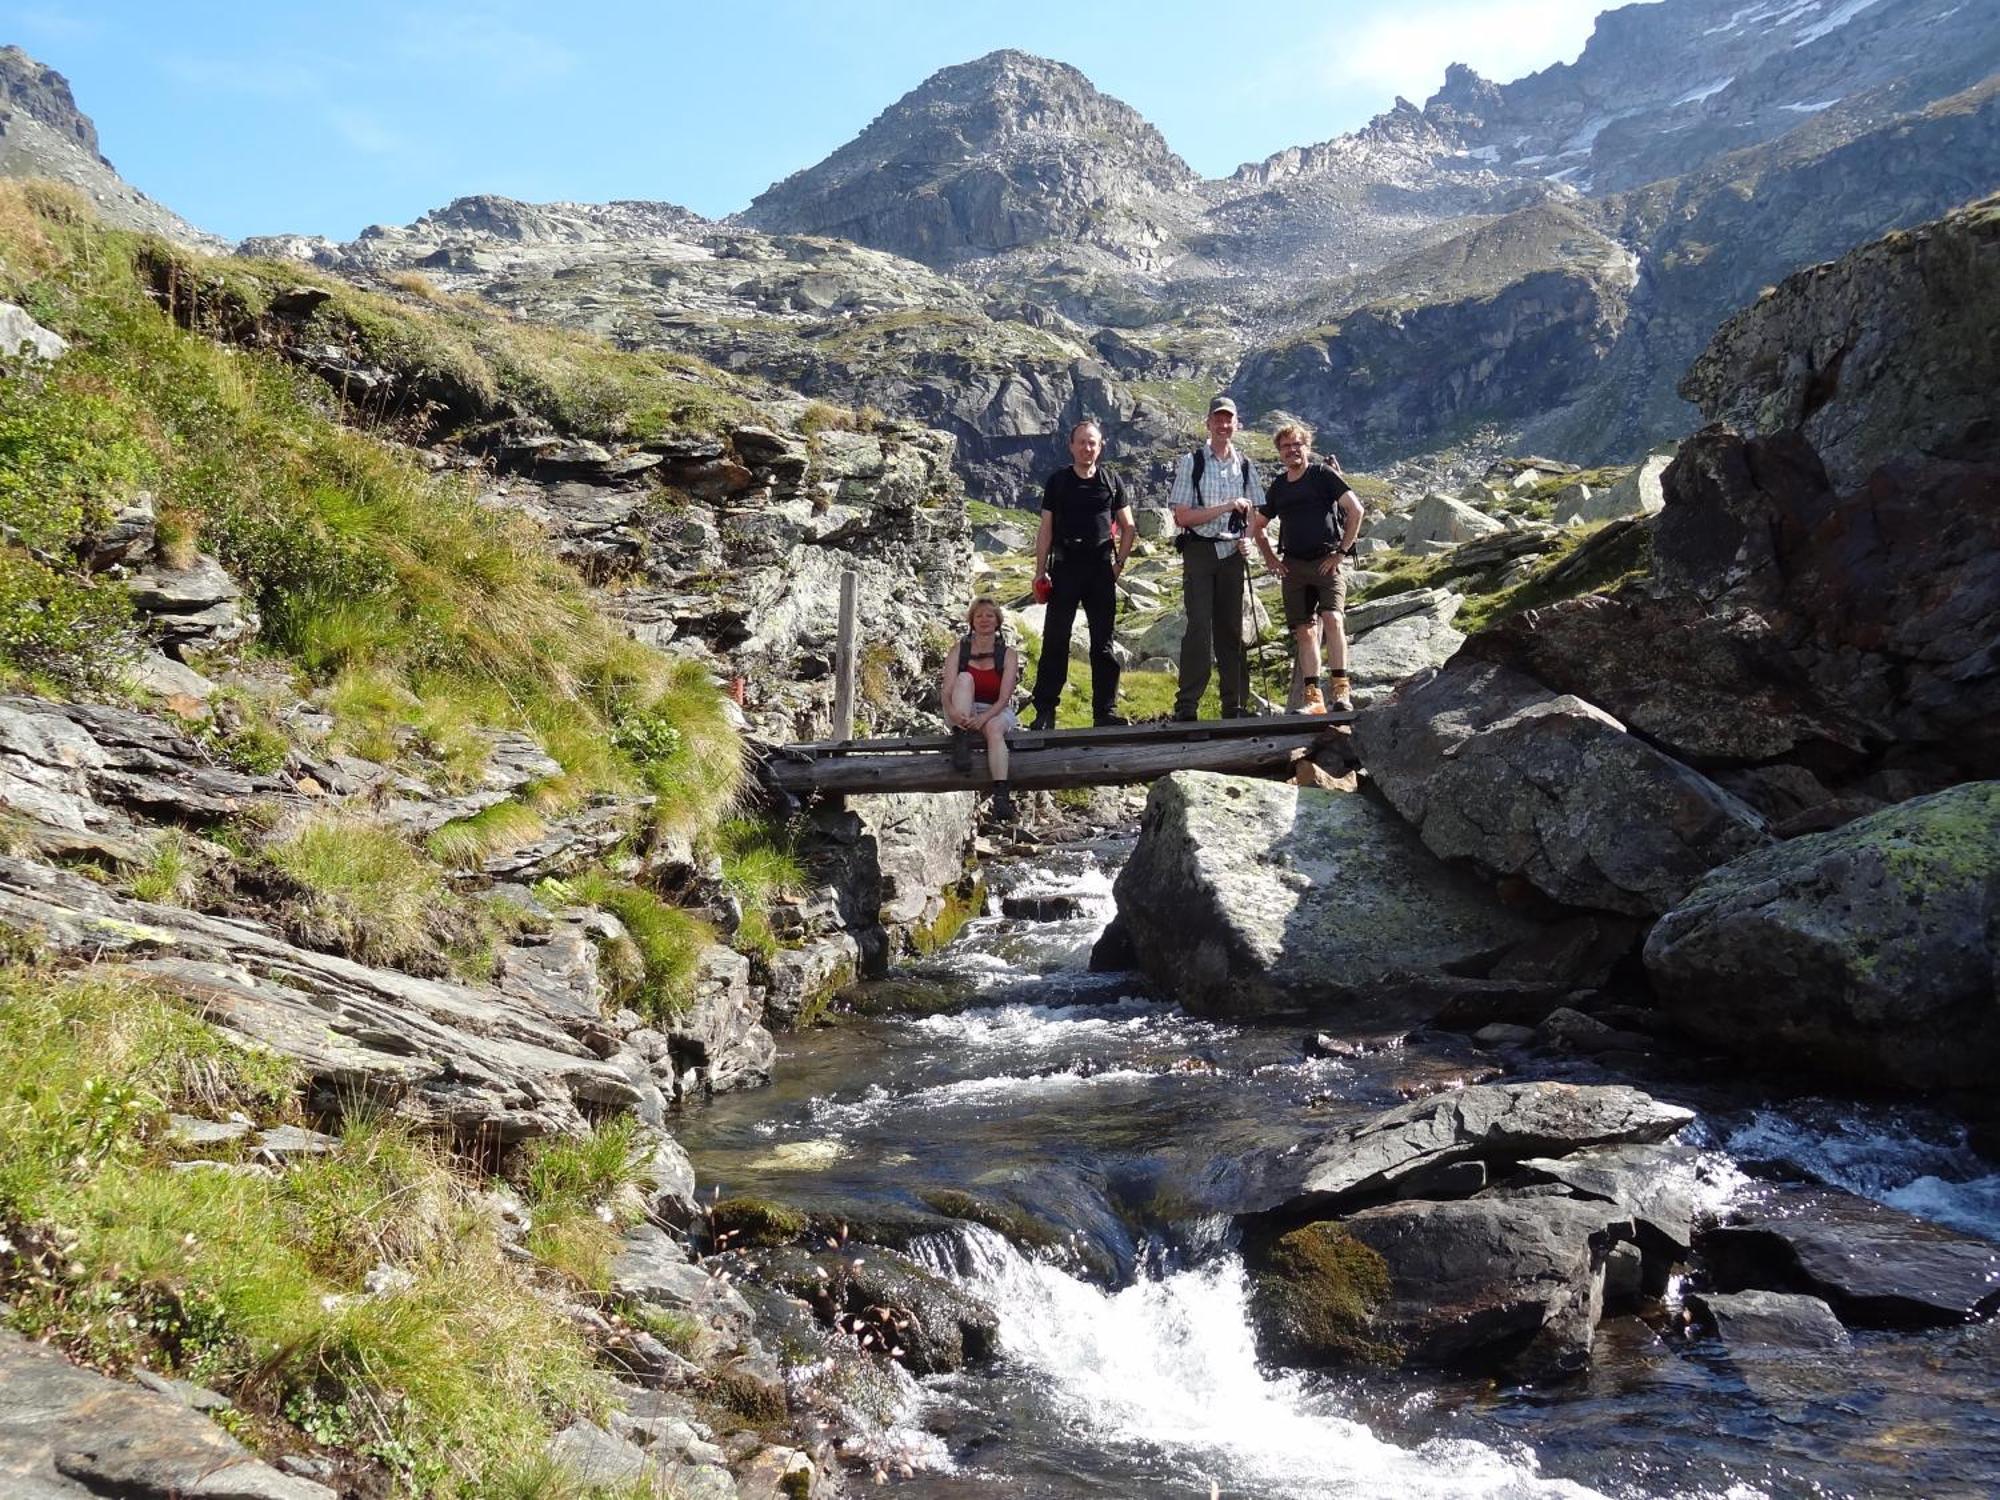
(1003, 803)
(1110, 721)
(1186, 716)
(961, 750)
(1043, 721)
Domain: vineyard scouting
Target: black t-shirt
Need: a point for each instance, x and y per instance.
(1307, 510)
(1082, 508)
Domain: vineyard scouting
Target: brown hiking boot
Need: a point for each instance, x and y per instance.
(1343, 695)
(1310, 701)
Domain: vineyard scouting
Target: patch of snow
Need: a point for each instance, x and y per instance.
(1582, 185)
(1586, 135)
(1749, 15)
(1834, 22)
(1694, 95)
(1531, 161)
(1810, 109)
(1483, 153)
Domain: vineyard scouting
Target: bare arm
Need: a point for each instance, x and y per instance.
(1042, 538)
(1350, 520)
(1128, 532)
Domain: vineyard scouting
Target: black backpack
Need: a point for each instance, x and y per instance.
(1194, 487)
(999, 655)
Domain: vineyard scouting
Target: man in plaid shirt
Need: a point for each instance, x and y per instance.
(1213, 511)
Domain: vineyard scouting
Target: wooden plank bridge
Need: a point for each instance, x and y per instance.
(1061, 757)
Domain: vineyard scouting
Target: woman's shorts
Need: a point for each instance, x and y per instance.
(1318, 587)
(1006, 716)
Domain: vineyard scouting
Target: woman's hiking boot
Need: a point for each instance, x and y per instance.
(961, 750)
(1003, 802)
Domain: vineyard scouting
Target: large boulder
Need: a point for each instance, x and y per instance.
(1877, 1266)
(1514, 1284)
(1415, 1148)
(1875, 356)
(1250, 897)
(1872, 950)
(1395, 638)
(1494, 768)
(1636, 494)
(1439, 518)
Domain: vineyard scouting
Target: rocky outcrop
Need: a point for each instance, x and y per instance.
(1871, 950)
(451, 1057)
(67, 1433)
(1248, 897)
(93, 767)
(1867, 357)
(44, 134)
(1522, 323)
(1494, 768)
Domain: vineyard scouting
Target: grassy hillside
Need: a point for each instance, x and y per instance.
(413, 624)
(411, 613)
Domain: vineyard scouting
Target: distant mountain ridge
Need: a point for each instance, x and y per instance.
(1006, 248)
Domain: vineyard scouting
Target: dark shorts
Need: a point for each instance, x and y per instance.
(1318, 587)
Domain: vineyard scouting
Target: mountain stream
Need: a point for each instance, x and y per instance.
(1128, 1364)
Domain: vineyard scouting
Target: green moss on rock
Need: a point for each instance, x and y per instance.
(755, 1222)
(1315, 1298)
(962, 902)
(1022, 1228)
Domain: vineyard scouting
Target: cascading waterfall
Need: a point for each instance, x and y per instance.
(1166, 1372)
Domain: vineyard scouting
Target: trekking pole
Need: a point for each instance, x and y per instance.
(1256, 630)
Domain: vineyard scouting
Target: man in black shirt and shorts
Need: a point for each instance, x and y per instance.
(1074, 553)
(1318, 518)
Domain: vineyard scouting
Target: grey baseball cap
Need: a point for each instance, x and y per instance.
(1222, 403)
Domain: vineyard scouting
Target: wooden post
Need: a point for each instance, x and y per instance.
(843, 658)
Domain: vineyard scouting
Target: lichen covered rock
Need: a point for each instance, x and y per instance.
(1872, 950)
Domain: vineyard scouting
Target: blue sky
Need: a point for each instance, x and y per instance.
(322, 116)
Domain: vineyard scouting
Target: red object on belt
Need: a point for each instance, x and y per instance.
(1041, 591)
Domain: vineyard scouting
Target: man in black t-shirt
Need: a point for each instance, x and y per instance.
(1318, 519)
(1075, 554)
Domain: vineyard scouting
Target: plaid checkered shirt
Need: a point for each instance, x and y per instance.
(1221, 480)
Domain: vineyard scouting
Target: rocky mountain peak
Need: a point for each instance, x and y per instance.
(1006, 150)
(36, 89)
(1465, 95)
(44, 134)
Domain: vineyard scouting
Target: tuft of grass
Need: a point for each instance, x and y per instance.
(466, 843)
(171, 873)
(582, 1191)
(760, 864)
(667, 944)
(361, 888)
(684, 748)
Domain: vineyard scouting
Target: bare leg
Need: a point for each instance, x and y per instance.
(958, 700)
(996, 747)
(1307, 635)
(1336, 642)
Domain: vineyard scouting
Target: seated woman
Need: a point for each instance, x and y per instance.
(977, 691)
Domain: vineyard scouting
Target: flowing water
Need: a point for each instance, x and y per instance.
(1124, 1125)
